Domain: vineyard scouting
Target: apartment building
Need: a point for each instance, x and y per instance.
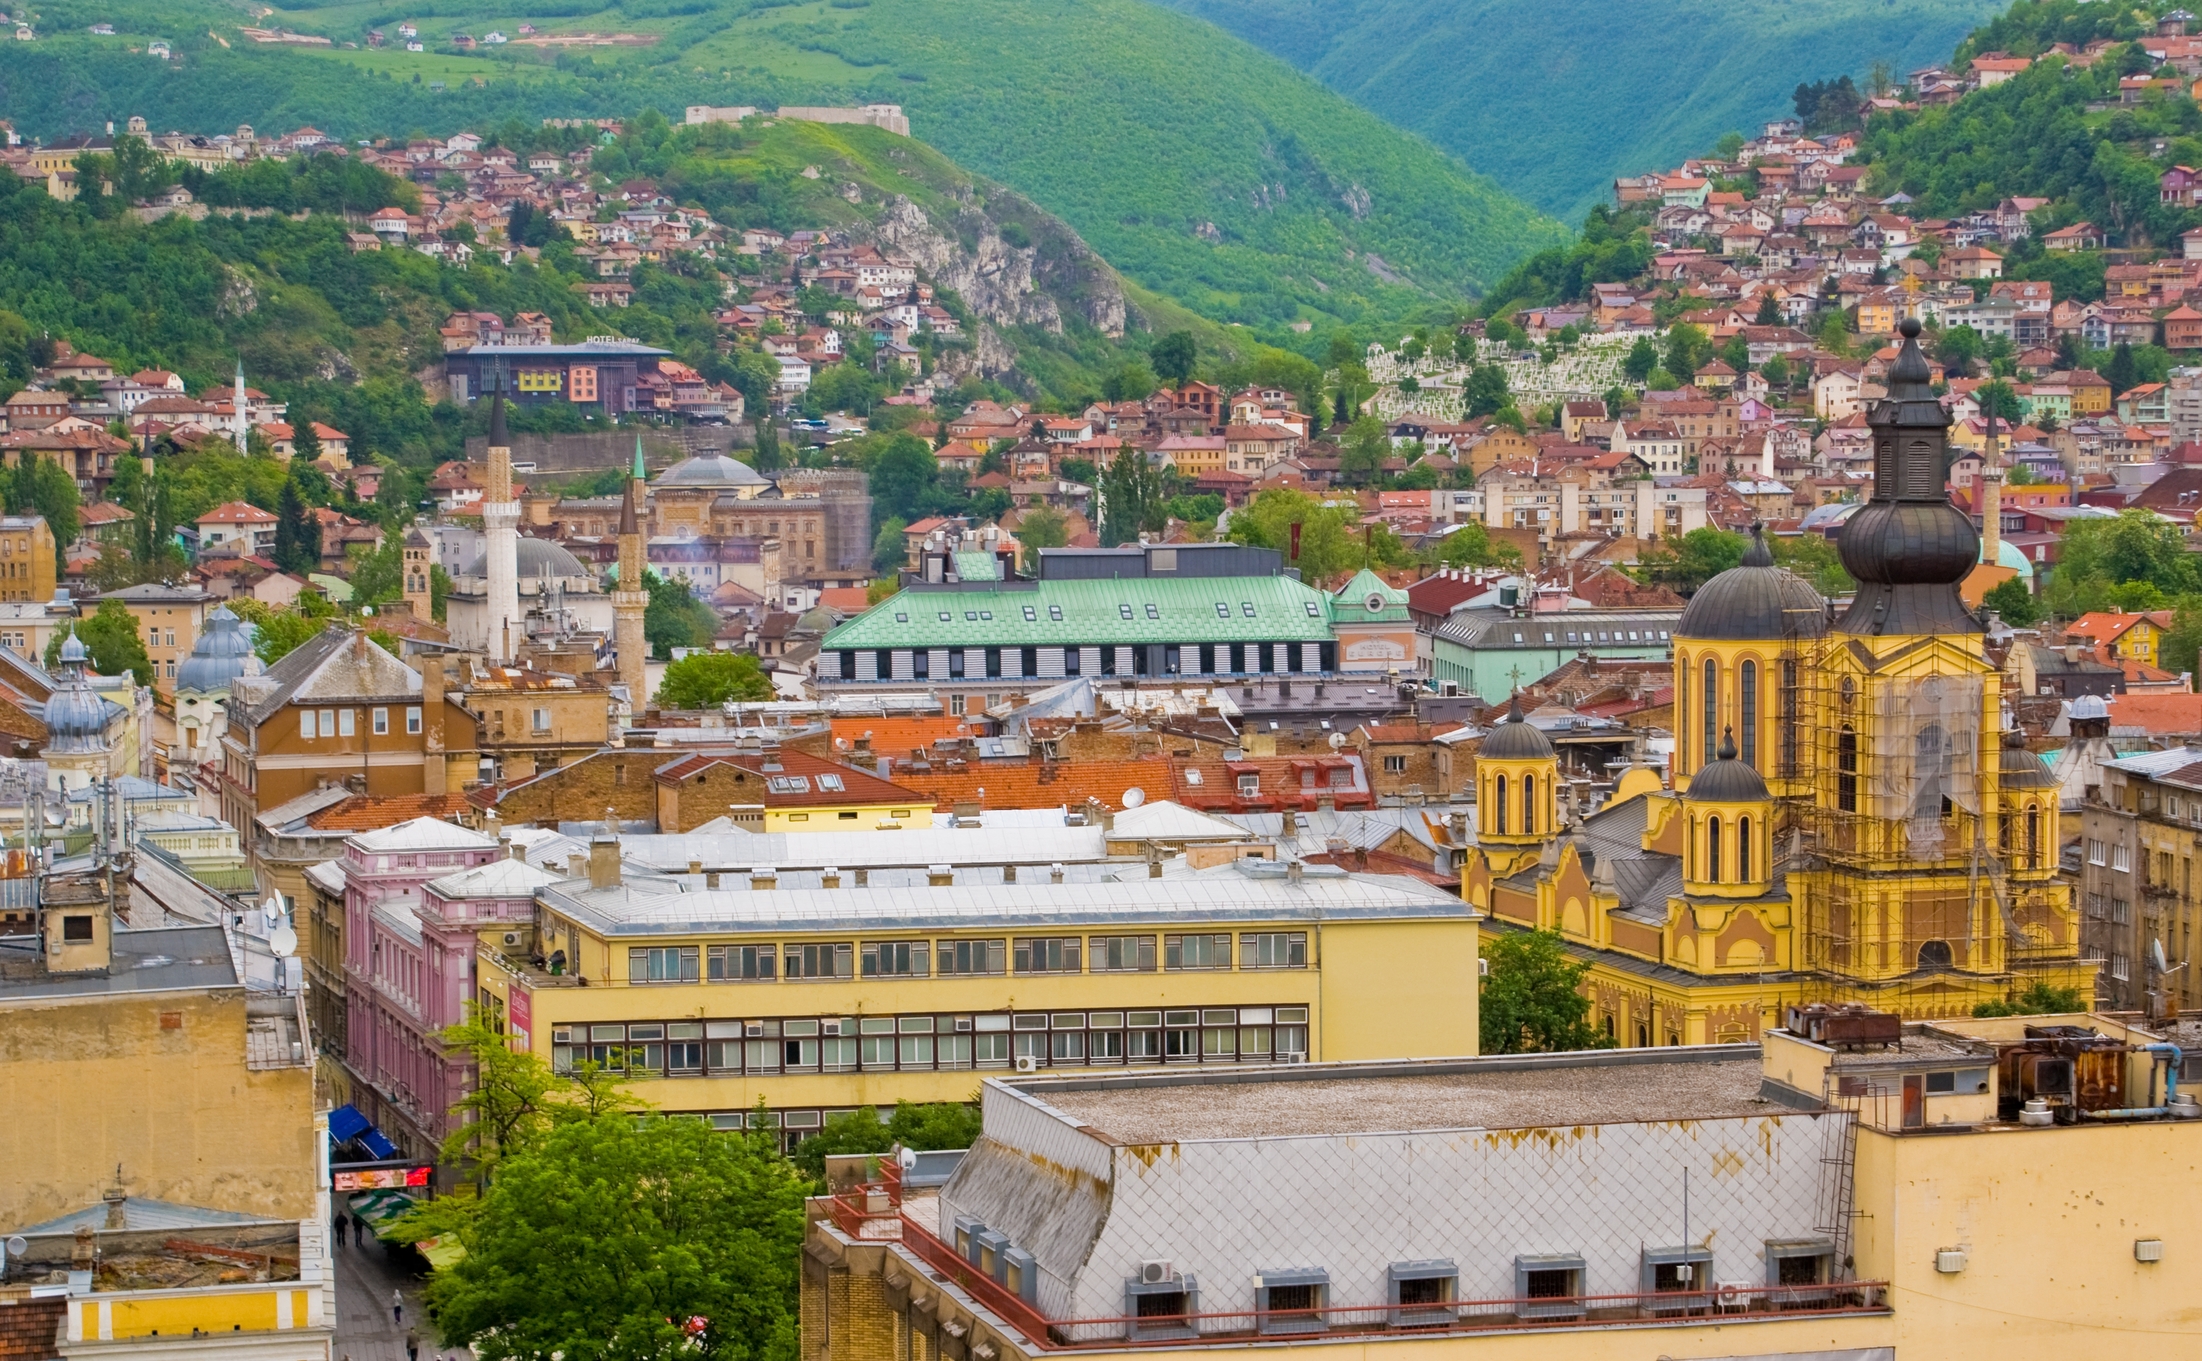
(2139, 901)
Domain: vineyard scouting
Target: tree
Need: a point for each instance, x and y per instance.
(604, 1240)
(2121, 372)
(1775, 371)
(110, 634)
(1532, 1001)
(767, 452)
(277, 632)
(1130, 381)
(297, 533)
(1957, 348)
(40, 486)
(509, 1101)
(926, 1126)
(1367, 445)
(890, 550)
(1042, 527)
(1997, 399)
(1693, 559)
(305, 442)
(1769, 313)
(1471, 545)
(1815, 559)
(904, 478)
(674, 617)
(2014, 604)
(705, 680)
(1485, 393)
(1133, 496)
(1642, 358)
(1330, 536)
(1688, 350)
(1172, 358)
(2037, 999)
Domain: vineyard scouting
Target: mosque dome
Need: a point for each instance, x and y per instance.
(711, 470)
(537, 558)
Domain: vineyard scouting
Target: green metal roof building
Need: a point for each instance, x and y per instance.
(999, 636)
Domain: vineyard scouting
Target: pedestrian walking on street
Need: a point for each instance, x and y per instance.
(340, 1217)
(359, 1231)
(397, 1306)
(412, 1345)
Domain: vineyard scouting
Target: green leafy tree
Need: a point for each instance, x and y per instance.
(1815, 559)
(1532, 1001)
(1133, 498)
(1331, 542)
(110, 634)
(2036, 999)
(705, 680)
(1361, 457)
(1688, 350)
(1471, 545)
(277, 632)
(674, 617)
(1775, 371)
(2014, 604)
(1485, 393)
(1769, 313)
(1642, 358)
(1695, 558)
(297, 533)
(1130, 381)
(606, 1237)
(1172, 358)
(511, 1097)
(1043, 527)
(931, 1125)
(890, 550)
(305, 442)
(1997, 399)
(905, 480)
(40, 486)
(2122, 373)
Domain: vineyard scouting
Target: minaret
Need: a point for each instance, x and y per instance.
(501, 520)
(631, 599)
(244, 422)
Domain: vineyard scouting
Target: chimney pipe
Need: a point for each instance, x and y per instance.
(577, 865)
(940, 876)
(830, 877)
(1295, 872)
(604, 861)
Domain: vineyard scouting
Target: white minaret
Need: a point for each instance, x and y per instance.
(501, 520)
(244, 422)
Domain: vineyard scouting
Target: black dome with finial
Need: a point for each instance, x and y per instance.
(1755, 599)
(1727, 780)
(1515, 738)
(1909, 547)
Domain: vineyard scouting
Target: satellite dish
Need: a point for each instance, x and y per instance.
(18, 1245)
(1337, 741)
(2156, 957)
(1134, 796)
(283, 941)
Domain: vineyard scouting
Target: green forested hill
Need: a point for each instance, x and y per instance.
(1202, 168)
(1554, 99)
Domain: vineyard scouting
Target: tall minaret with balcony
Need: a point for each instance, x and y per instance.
(631, 600)
(501, 521)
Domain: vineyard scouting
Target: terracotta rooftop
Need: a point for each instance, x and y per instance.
(784, 779)
(365, 813)
(1041, 784)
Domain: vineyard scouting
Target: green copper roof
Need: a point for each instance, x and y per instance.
(1096, 613)
(639, 474)
(1367, 600)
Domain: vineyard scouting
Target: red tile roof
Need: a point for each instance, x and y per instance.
(2157, 712)
(748, 780)
(237, 512)
(896, 737)
(1042, 784)
(365, 813)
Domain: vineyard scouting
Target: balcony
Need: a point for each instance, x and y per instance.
(873, 1214)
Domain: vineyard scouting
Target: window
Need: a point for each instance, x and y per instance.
(305, 724)
(1395, 765)
(1710, 698)
(1808, 1261)
(1290, 1301)
(1846, 769)
(1123, 954)
(1032, 616)
(1529, 805)
(827, 960)
(1747, 716)
(1667, 1270)
(1312, 611)
(381, 722)
(1743, 850)
(1196, 952)
(1246, 607)
(1055, 613)
(662, 964)
(1046, 954)
(1273, 950)
(1498, 807)
(830, 783)
(1550, 1285)
(740, 963)
(2121, 858)
(76, 928)
(1152, 611)
(970, 956)
(413, 719)
(540, 721)
(684, 1049)
(1250, 786)
(1223, 610)
(1789, 717)
(1123, 610)
(1712, 850)
(2094, 851)
(897, 959)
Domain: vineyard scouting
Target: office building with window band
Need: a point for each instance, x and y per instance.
(815, 1000)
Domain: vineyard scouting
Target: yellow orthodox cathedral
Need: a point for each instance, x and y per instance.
(1852, 819)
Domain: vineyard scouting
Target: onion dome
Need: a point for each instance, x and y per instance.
(219, 657)
(76, 717)
(1755, 599)
(2020, 768)
(1909, 547)
(1727, 780)
(1515, 738)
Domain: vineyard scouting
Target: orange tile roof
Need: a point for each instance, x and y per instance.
(1042, 784)
(896, 737)
(2162, 712)
(2104, 626)
(367, 813)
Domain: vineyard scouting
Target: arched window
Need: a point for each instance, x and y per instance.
(1499, 805)
(2033, 836)
(1788, 717)
(1747, 701)
(1935, 954)
(1682, 708)
(1529, 805)
(1846, 770)
(1743, 850)
(1711, 701)
(1933, 759)
(1712, 850)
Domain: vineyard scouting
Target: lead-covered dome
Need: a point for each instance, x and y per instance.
(76, 717)
(537, 558)
(711, 470)
(1756, 600)
(219, 656)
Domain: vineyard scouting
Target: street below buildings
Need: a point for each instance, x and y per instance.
(365, 1331)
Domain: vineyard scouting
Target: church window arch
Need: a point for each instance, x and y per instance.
(1846, 768)
(1529, 805)
(1743, 850)
(1499, 807)
(1712, 850)
(1711, 701)
(1747, 702)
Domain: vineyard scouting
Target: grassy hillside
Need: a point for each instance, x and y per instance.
(1553, 100)
(1205, 170)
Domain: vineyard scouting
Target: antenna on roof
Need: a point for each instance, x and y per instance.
(1134, 796)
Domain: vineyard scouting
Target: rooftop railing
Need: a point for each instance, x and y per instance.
(873, 1213)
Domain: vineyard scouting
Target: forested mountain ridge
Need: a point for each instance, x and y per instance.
(1238, 187)
(1554, 100)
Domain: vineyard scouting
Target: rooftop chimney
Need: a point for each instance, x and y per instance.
(604, 861)
(762, 877)
(829, 877)
(940, 876)
(1055, 873)
(1295, 872)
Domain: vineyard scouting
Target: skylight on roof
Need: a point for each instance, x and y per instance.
(1312, 612)
(1032, 616)
(1152, 611)
(902, 618)
(788, 784)
(1248, 607)
(1223, 610)
(1055, 612)
(1123, 611)
(945, 616)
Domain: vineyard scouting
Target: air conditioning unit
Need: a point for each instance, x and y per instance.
(1157, 1271)
(1733, 1297)
(1294, 1056)
(1950, 1261)
(512, 937)
(1026, 1063)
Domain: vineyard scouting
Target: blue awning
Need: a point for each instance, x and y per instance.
(345, 1124)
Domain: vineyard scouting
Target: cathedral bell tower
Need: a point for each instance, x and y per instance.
(1517, 802)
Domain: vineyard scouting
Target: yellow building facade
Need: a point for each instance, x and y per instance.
(1869, 834)
(815, 1001)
